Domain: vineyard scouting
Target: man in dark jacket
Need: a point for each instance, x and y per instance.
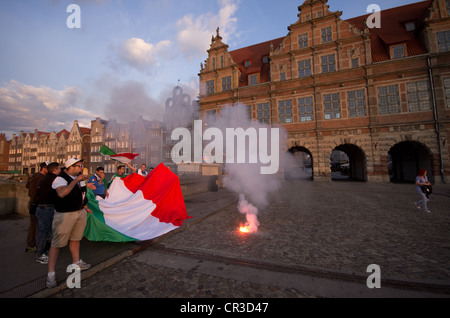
(32, 185)
(46, 199)
(70, 217)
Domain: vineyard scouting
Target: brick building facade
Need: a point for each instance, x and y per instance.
(4, 153)
(380, 95)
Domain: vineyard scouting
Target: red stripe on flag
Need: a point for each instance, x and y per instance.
(130, 156)
(161, 186)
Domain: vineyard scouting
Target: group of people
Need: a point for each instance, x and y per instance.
(58, 209)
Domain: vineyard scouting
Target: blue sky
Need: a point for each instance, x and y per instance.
(126, 57)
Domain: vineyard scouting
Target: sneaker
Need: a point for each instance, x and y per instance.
(30, 249)
(83, 265)
(428, 211)
(43, 259)
(417, 205)
(51, 281)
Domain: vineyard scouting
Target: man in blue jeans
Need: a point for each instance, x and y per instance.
(45, 211)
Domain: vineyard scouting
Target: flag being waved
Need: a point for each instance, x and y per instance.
(138, 208)
(121, 157)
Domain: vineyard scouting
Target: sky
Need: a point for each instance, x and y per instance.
(126, 56)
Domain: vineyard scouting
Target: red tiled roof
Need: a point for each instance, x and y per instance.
(255, 55)
(63, 132)
(85, 131)
(393, 29)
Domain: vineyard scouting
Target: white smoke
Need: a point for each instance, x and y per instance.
(246, 179)
(250, 212)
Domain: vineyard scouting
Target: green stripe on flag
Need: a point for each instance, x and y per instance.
(106, 151)
(96, 229)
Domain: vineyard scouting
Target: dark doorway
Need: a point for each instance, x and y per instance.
(406, 158)
(298, 164)
(348, 162)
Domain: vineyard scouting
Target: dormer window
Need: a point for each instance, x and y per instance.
(265, 59)
(398, 51)
(410, 26)
(247, 63)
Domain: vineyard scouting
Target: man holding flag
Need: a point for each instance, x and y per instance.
(124, 158)
(120, 173)
(69, 221)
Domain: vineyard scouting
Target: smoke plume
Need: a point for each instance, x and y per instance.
(246, 179)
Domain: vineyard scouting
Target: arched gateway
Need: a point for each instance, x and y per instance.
(406, 158)
(298, 164)
(348, 162)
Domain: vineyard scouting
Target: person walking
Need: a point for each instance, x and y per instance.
(422, 181)
(70, 217)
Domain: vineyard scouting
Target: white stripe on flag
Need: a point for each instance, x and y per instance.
(130, 213)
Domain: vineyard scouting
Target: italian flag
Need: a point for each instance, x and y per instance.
(138, 208)
(122, 157)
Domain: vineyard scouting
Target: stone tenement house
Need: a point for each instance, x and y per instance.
(4, 153)
(142, 136)
(28, 150)
(381, 95)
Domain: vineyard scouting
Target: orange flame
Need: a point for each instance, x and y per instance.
(244, 229)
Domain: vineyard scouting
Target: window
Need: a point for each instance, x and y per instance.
(253, 79)
(326, 35)
(355, 63)
(210, 87)
(221, 61)
(303, 41)
(285, 111)
(247, 64)
(282, 76)
(356, 103)
(249, 112)
(305, 109)
(447, 90)
(211, 116)
(226, 83)
(263, 113)
(214, 63)
(418, 96)
(447, 3)
(398, 51)
(388, 100)
(443, 39)
(265, 60)
(410, 26)
(304, 68)
(332, 106)
(328, 63)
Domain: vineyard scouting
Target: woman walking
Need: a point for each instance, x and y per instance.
(421, 181)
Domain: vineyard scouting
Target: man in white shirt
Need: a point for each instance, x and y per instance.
(142, 171)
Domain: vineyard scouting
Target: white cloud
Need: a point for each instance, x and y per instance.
(194, 33)
(25, 107)
(142, 55)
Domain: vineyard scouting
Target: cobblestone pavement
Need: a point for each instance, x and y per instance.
(339, 227)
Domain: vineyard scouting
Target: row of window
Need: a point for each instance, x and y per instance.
(328, 62)
(418, 99)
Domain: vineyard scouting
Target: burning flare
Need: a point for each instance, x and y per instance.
(244, 229)
(250, 211)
